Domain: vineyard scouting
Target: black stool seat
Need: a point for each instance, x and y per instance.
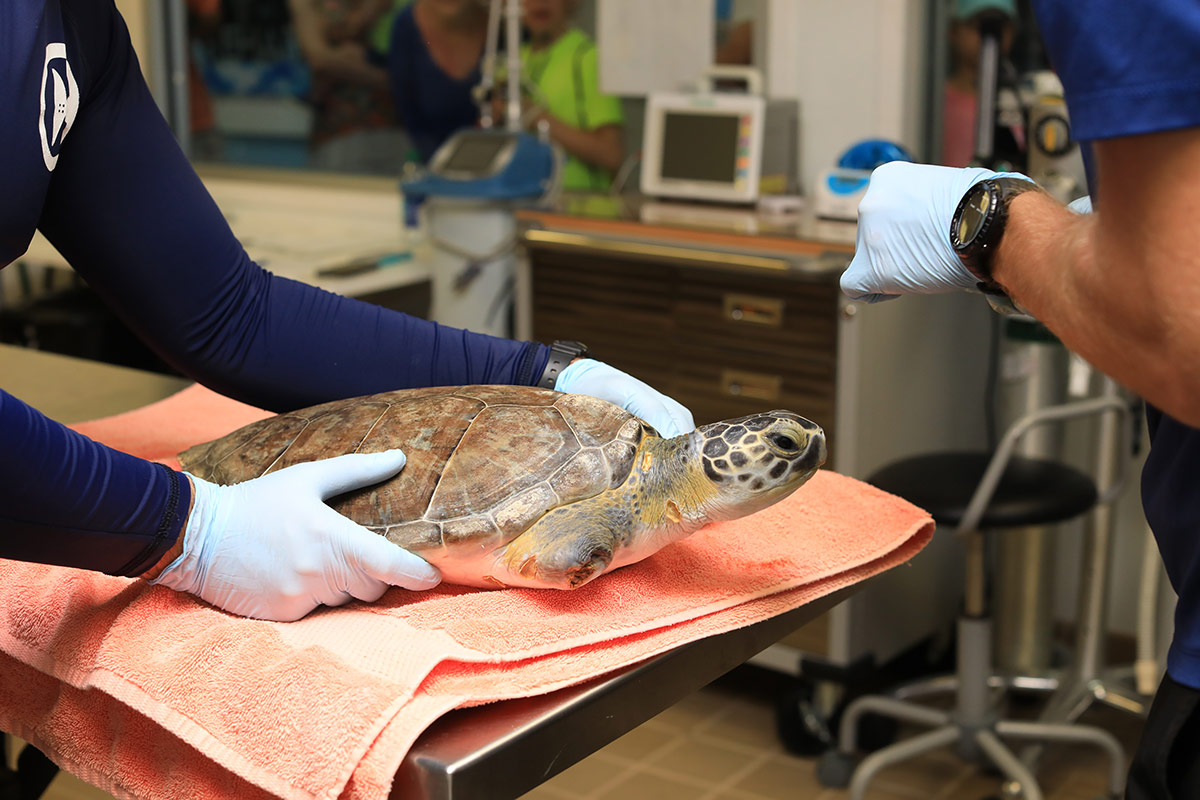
(1031, 491)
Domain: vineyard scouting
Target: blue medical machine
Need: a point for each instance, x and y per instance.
(468, 194)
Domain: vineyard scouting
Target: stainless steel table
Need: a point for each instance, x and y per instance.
(504, 749)
(489, 752)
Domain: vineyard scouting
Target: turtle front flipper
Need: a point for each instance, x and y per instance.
(563, 550)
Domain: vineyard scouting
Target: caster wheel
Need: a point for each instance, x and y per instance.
(805, 731)
(802, 729)
(835, 769)
(34, 772)
(10, 787)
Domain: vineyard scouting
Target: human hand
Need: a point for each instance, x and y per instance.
(588, 376)
(354, 25)
(337, 31)
(903, 244)
(347, 55)
(270, 548)
(531, 112)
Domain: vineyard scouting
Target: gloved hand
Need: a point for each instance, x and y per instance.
(903, 244)
(588, 376)
(1081, 205)
(270, 548)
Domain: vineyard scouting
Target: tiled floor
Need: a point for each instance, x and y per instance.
(720, 744)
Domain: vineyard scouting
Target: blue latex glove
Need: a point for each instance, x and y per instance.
(270, 548)
(588, 376)
(903, 244)
(1081, 205)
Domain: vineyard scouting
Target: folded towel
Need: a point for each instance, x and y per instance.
(148, 693)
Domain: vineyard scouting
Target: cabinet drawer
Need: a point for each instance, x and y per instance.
(716, 392)
(770, 315)
(725, 344)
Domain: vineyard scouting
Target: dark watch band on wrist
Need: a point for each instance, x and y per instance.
(978, 225)
(562, 353)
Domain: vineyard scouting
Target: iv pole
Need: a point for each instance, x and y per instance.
(510, 10)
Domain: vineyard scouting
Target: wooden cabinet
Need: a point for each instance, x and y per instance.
(736, 324)
(723, 343)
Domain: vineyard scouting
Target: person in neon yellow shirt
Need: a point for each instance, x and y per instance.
(560, 70)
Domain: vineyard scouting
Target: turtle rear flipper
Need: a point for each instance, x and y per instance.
(565, 549)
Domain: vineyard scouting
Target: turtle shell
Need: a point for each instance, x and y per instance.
(484, 462)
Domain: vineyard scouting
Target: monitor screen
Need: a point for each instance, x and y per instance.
(700, 147)
(475, 153)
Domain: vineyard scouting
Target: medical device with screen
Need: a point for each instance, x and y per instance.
(474, 154)
(700, 147)
(703, 146)
(490, 164)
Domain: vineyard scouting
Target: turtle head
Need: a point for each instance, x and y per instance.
(758, 460)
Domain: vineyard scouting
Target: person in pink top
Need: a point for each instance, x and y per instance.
(961, 105)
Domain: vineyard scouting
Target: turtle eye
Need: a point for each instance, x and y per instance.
(783, 442)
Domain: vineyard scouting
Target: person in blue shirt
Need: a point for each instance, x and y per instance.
(433, 63)
(87, 159)
(1120, 286)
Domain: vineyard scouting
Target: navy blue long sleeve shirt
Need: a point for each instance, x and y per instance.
(86, 157)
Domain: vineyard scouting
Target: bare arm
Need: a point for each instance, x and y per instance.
(346, 60)
(359, 20)
(601, 146)
(1122, 286)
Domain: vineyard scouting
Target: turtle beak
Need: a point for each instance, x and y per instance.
(807, 453)
(815, 453)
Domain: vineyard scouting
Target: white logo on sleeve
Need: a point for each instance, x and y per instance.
(60, 102)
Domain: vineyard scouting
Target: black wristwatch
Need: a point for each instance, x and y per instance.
(978, 225)
(562, 352)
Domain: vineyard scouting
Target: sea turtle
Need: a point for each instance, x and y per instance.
(518, 486)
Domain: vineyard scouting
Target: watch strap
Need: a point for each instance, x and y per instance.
(562, 353)
(977, 258)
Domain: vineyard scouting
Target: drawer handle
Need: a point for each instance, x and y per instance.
(753, 309)
(754, 385)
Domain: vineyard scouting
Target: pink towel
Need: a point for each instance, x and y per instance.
(148, 693)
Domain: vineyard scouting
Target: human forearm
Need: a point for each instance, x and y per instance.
(127, 210)
(67, 500)
(601, 147)
(1120, 287)
(360, 20)
(349, 63)
(1049, 263)
(331, 56)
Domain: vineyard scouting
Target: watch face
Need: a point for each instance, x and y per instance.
(974, 213)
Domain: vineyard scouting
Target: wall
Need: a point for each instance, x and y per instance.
(858, 68)
(137, 18)
(861, 74)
